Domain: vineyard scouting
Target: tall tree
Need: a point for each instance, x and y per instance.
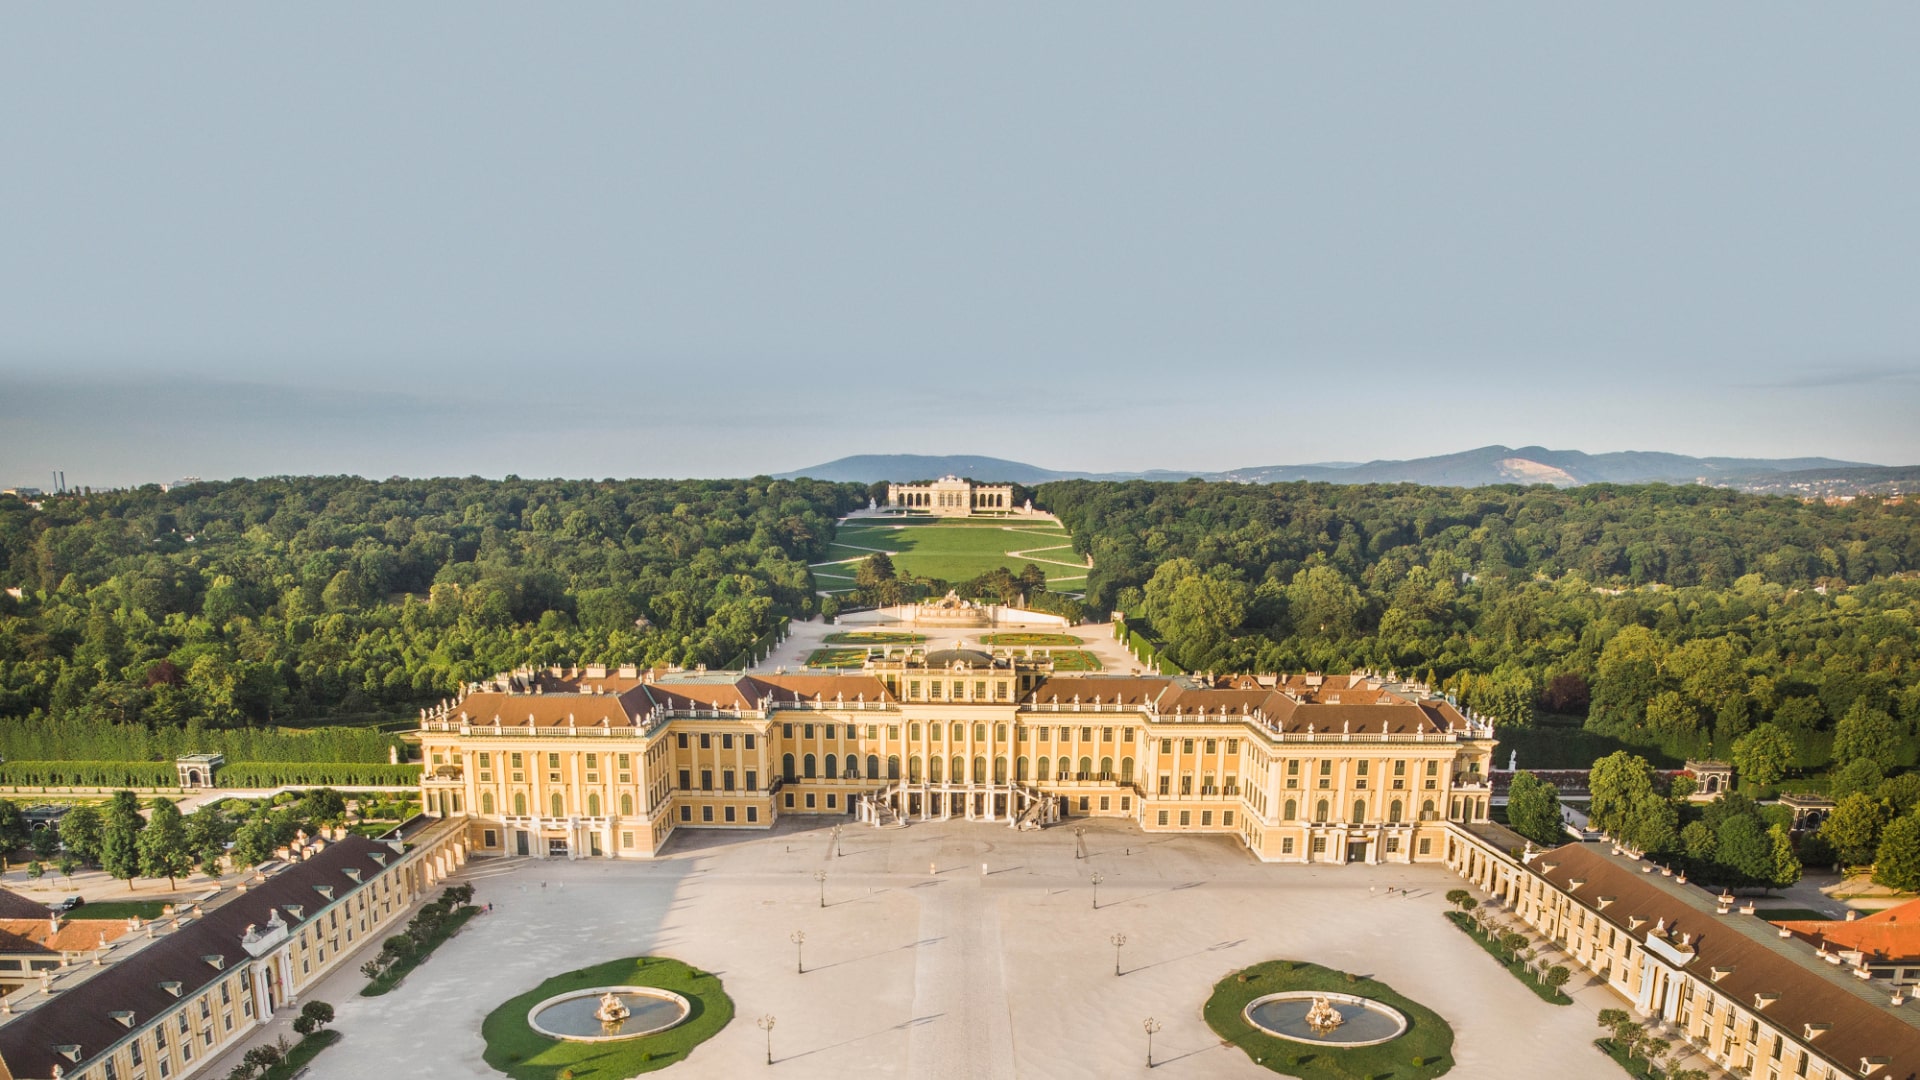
(1897, 862)
(1533, 809)
(1869, 734)
(1853, 828)
(120, 837)
(1763, 755)
(80, 831)
(1786, 865)
(164, 851)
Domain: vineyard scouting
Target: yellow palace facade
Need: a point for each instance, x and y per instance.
(598, 763)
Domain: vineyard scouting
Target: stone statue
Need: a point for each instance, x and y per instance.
(1513, 761)
(1323, 1017)
(612, 1010)
(871, 504)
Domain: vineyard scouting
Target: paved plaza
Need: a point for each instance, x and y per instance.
(959, 950)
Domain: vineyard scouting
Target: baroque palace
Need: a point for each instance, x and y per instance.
(587, 762)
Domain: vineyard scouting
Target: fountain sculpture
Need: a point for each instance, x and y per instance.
(1323, 1017)
(612, 1010)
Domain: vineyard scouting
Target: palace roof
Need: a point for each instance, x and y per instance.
(158, 975)
(15, 906)
(1893, 934)
(1822, 1008)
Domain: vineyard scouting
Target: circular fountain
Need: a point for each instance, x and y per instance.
(608, 1013)
(1325, 1018)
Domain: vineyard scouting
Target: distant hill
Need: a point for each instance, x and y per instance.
(870, 468)
(1469, 468)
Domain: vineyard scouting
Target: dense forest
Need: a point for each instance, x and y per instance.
(294, 600)
(1683, 619)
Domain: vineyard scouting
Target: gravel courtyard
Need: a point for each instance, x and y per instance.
(959, 972)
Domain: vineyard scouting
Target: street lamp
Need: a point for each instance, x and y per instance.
(799, 939)
(836, 841)
(1151, 1026)
(1078, 844)
(1118, 940)
(821, 877)
(1097, 879)
(766, 1025)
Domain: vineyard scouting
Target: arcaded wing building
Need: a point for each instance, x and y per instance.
(951, 496)
(610, 764)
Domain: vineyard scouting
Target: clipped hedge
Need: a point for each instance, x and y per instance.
(265, 774)
(127, 774)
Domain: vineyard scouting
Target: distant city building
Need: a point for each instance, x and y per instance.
(951, 496)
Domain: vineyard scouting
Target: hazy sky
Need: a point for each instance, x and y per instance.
(633, 240)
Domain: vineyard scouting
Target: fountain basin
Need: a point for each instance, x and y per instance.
(1366, 1022)
(570, 1016)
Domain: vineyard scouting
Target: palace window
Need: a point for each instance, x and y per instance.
(1319, 845)
(933, 689)
(706, 813)
(681, 740)
(751, 741)
(1291, 808)
(753, 814)
(1166, 783)
(808, 730)
(1211, 746)
(686, 779)
(1233, 746)
(726, 779)
(726, 742)
(753, 779)
(1286, 845)
(1161, 818)
(1226, 818)
(1320, 811)
(1186, 818)
(1186, 746)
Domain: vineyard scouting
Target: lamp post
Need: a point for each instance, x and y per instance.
(799, 939)
(1151, 1026)
(766, 1025)
(1097, 879)
(1118, 940)
(1078, 844)
(836, 841)
(821, 877)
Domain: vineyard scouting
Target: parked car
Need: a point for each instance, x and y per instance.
(68, 904)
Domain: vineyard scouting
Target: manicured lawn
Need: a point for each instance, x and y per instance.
(1428, 1040)
(1075, 660)
(1792, 914)
(1022, 641)
(393, 975)
(954, 552)
(880, 637)
(303, 1052)
(1518, 970)
(524, 1054)
(837, 658)
(119, 909)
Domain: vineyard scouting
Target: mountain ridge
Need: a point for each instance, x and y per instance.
(1478, 467)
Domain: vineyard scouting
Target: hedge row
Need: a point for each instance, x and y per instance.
(39, 737)
(264, 774)
(140, 774)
